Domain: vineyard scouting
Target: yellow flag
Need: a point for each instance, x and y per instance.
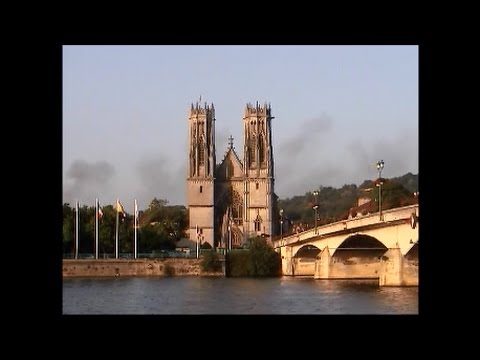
(120, 208)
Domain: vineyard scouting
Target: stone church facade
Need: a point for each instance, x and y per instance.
(233, 200)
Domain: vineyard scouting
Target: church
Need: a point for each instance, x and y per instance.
(234, 200)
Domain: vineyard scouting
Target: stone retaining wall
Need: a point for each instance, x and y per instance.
(138, 267)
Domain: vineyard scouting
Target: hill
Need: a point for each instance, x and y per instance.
(334, 204)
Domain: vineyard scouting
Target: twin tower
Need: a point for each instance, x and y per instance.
(234, 200)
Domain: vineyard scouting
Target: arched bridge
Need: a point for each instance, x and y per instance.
(365, 247)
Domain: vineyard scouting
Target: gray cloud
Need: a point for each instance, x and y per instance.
(84, 180)
(353, 164)
(159, 178)
(309, 132)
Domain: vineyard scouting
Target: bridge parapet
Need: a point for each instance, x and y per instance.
(390, 215)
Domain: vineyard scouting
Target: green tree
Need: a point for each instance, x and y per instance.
(210, 262)
(393, 195)
(237, 263)
(86, 230)
(161, 226)
(262, 259)
(68, 230)
(334, 204)
(107, 230)
(154, 237)
(259, 260)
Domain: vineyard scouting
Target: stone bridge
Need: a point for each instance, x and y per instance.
(365, 247)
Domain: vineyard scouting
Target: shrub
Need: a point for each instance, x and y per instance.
(169, 270)
(259, 260)
(210, 262)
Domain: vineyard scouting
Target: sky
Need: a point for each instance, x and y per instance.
(338, 110)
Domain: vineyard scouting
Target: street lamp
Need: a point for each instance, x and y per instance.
(315, 208)
(380, 165)
(281, 224)
(229, 245)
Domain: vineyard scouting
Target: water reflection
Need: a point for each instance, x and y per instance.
(204, 295)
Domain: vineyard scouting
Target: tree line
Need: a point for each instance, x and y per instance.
(160, 226)
(335, 204)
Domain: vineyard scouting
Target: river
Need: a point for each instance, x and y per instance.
(218, 295)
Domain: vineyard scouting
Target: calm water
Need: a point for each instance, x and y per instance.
(204, 295)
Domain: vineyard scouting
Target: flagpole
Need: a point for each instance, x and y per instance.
(196, 227)
(76, 230)
(135, 228)
(116, 234)
(96, 228)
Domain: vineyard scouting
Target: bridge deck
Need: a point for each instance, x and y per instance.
(363, 223)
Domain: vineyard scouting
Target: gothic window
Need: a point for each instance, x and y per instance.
(258, 223)
(237, 208)
(236, 239)
(201, 153)
(261, 149)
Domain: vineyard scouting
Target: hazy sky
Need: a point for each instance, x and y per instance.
(338, 110)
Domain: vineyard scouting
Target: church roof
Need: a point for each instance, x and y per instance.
(232, 155)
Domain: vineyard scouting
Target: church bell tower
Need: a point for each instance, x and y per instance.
(201, 168)
(258, 170)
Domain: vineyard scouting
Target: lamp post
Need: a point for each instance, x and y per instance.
(315, 208)
(380, 165)
(229, 245)
(281, 224)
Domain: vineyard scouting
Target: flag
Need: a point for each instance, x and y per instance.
(120, 209)
(136, 210)
(100, 213)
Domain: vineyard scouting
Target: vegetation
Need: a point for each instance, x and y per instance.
(259, 260)
(210, 262)
(162, 225)
(168, 270)
(335, 204)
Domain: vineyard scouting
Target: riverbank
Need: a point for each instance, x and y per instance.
(130, 267)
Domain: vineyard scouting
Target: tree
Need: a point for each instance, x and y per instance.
(262, 259)
(334, 204)
(393, 195)
(106, 237)
(68, 229)
(211, 262)
(259, 260)
(87, 230)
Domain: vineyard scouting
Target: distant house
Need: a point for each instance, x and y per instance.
(365, 206)
(186, 245)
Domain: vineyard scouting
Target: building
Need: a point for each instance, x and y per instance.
(365, 206)
(233, 200)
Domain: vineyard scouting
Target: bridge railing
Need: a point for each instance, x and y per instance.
(394, 214)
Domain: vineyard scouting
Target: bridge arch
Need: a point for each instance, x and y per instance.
(412, 254)
(303, 262)
(359, 247)
(307, 251)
